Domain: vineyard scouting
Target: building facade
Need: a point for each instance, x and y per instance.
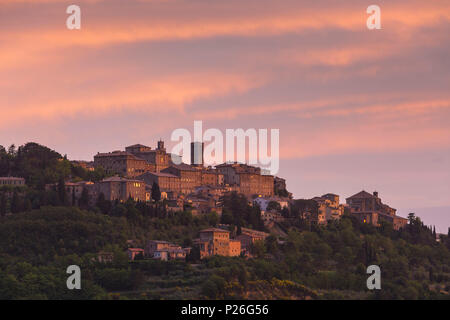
(118, 188)
(167, 182)
(249, 179)
(12, 181)
(370, 209)
(157, 159)
(214, 241)
(121, 163)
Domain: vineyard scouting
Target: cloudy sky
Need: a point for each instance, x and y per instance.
(356, 108)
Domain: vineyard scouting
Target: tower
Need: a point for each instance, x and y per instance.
(161, 145)
(197, 153)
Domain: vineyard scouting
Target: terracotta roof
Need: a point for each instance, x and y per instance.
(138, 145)
(214, 230)
(183, 167)
(362, 194)
(12, 178)
(159, 174)
(118, 154)
(119, 179)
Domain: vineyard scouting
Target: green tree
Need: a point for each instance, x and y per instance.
(28, 206)
(259, 249)
(156, 193)
(61, 188)
(3, 205)
(83, 202)
(103, 204)
(214, 287)
(16, 203)
(273, 205)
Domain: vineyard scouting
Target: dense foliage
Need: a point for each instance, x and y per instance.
(40, 165)
(318, 262)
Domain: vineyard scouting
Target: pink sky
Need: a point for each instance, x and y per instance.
(357, 109)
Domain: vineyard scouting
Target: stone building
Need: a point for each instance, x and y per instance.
(249, 179)
(118, 188)
(211, 177)
(370, 209)
(254, 184)
(214, 241)
(158, 245)
(167, 182)
(164, 250)
(135, 160)
(329, 206)
(12, 181)
(189, 176)
(122, 163)
(157, 159)
(248, 237)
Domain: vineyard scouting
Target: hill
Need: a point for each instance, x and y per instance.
(313, 263)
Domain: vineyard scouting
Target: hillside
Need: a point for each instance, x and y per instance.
(320, 263)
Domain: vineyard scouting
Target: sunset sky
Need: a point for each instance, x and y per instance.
(356, 108)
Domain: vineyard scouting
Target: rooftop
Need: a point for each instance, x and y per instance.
(214, 230)
(117, 154)
(183, 167)
(119, 179)
(362, 194)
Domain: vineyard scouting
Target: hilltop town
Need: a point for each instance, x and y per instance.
(149, 175)
(145, 226)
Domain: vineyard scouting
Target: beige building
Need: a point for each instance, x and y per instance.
(158, 245)
(12, 181)
(249, 179)
(189, 176)
(210, 177)
(214, 241)
(118, 188)
(167, 182)
(122, 163)
(157, 159)
(329, 206)
(164, 250)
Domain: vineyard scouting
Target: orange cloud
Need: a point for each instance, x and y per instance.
(161, 95)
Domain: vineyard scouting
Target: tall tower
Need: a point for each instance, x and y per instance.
(161, 145)
(197, 153)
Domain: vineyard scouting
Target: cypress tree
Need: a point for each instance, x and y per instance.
(84, 199)
(15, 203)
(156, 193)
(62, 191)
(3, 205)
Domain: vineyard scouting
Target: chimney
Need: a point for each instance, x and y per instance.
(375, 193)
